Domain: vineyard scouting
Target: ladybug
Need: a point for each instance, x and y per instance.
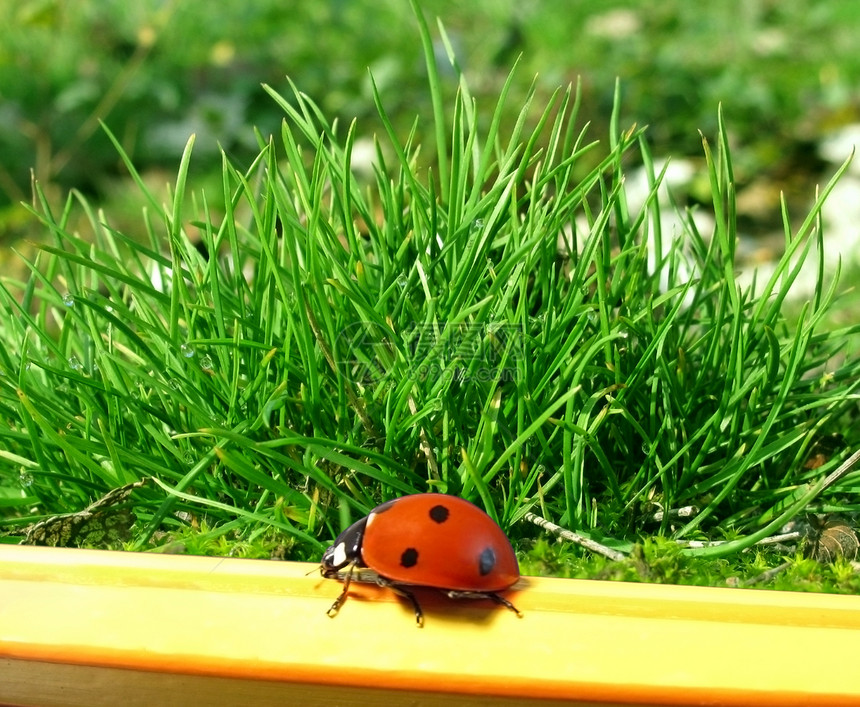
(428, 540)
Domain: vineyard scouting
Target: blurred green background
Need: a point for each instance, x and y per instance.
(785, 71)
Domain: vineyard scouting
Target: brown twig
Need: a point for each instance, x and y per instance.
(587, 543)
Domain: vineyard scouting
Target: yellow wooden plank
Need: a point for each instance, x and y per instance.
(59, 685)
(259, 629)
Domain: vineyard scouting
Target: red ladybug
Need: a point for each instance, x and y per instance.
(429, 540)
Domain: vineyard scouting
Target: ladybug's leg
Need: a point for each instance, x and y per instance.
(485, 595)
(406, 594)
(504, 602)
(342, 598)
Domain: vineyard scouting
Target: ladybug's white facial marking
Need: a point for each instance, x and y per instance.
(338, 556)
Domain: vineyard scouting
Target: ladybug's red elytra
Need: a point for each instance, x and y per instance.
(427, 540)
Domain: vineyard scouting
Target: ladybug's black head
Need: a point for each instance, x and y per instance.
(345, 551)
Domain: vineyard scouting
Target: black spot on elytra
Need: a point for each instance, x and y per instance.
(439, 514)
(409, 558)
(486, 561)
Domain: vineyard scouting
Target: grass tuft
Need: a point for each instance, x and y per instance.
(495, 323)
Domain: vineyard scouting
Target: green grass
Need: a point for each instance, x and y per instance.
(285, 358)
(660, 561)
